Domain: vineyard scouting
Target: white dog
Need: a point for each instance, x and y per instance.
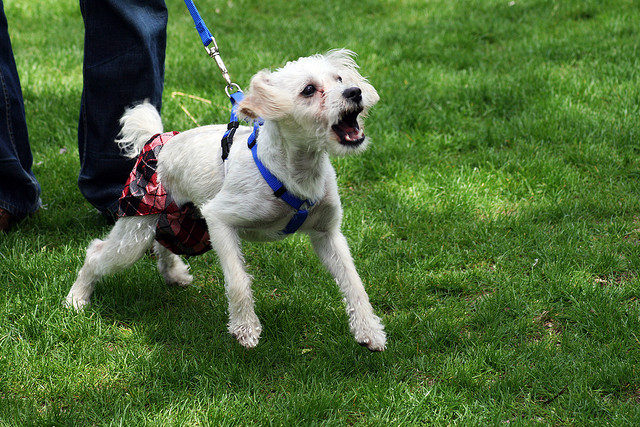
(311, 108)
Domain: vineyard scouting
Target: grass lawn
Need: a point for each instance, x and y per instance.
(495, 221)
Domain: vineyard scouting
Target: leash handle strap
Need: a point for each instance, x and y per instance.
(201, 27)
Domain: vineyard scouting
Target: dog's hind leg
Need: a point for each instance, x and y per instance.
(333, 250)
(128, 240)
(171, 266)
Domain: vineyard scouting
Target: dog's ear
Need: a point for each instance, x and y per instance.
(264, 99)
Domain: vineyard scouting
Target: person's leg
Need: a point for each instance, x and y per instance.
(19, 189)
(124, 55)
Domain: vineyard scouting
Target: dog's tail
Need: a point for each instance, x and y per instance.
(139, 124)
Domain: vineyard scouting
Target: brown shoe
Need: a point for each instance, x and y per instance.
(6, 221)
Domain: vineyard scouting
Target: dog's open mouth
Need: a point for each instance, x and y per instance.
(348, 130)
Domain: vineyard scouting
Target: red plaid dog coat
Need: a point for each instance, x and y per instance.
(180, 229)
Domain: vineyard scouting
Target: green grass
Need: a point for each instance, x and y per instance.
(495, 221)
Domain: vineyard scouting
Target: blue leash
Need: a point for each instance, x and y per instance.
(201, 27)
(207, 40)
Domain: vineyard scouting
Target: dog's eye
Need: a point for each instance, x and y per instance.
(309, 90)
(339, 79)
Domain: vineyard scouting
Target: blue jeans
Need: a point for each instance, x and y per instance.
(19, 189)
(124, 55)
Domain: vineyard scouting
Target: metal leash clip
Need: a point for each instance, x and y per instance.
(208, 40)
(214, 53)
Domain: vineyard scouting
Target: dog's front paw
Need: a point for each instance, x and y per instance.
(78, 304)
(247, 333)
(371, 335)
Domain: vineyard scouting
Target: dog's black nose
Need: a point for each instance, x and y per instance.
(353, 93)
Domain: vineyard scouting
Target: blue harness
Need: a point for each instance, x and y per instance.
(279, 190)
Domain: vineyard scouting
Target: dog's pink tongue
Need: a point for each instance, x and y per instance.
(353, 134)
(350, 131)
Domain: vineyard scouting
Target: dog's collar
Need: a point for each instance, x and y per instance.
(279, 190)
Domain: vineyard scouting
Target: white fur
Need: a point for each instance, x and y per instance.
(138, 125)
(294, 143)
